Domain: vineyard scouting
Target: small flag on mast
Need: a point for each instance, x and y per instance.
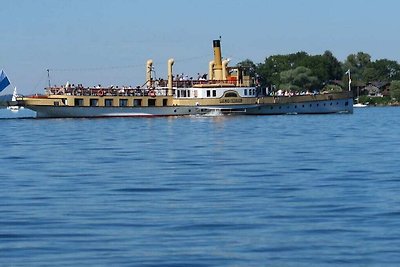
(4, 82)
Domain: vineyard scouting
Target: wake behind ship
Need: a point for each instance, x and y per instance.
(225, 90)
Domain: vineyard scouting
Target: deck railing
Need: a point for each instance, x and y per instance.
(156, 88)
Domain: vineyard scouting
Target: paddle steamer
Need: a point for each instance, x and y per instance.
(227, 90)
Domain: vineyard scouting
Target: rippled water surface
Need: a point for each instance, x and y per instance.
(319, 190)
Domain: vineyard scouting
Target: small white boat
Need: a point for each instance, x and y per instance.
(14, 99)
(359, 105)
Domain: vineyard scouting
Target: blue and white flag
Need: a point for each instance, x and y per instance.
(4, 82)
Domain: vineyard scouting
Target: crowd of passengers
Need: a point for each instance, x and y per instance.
(79, 90)
(158, 88)
(290, 93)
(160, 85)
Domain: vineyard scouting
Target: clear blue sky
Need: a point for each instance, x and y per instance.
(108, 42)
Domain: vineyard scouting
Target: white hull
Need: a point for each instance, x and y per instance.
(359, 105)
(13, 100)
(307, 107)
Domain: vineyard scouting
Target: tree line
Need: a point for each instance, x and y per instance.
(301, 71)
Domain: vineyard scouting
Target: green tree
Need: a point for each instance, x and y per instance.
(357, 63)
(278, 70)
(298, 79)
(371, 74)
(333, 66)
(270, 70)
(395, 90)
(382, 70)
(324, 67)
(332, 88)
(248, 65)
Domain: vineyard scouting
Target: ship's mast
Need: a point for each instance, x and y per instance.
(48, 77)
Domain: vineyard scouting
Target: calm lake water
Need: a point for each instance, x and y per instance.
(305, 190)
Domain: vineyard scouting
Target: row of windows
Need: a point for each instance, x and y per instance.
(183, 93)
(94, 102)
(246, 92)
(251, 91)
(214, 93)
(211, 93)
(311, 105)
(186, 93)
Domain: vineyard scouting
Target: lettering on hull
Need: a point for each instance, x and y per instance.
(239, 100)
